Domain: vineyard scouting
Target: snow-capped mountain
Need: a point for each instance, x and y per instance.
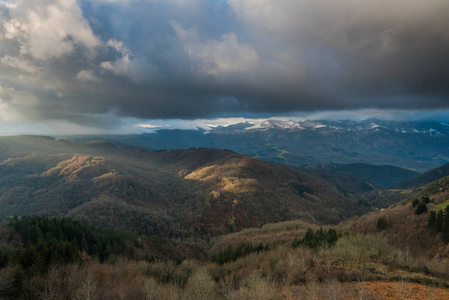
(373, 125)
(414, 145)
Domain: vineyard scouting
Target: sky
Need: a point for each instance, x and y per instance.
(125, 66)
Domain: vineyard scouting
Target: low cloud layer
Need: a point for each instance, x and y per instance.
(97, 63)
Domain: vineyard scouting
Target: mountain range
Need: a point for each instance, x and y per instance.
(122, 181)
(418, 146)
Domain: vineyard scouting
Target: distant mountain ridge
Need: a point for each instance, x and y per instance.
(380, 176)
(426, 178)
(418, 146)
(423, 128)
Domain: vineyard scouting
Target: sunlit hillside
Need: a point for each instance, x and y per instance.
(180, 193)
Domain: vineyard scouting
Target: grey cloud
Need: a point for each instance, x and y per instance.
(188, 59)
(359, 53)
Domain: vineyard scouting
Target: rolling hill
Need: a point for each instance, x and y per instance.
(177, 193)
(381, 176)
(426, 178)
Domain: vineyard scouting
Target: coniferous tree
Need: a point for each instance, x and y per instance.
(309, 238)
(332, 237)
(4, 258)
(17, 287)
(382, 223)
(321, 238)
(421, 208)
(260, 247)
(296, 243)
(439, 221)
(431, 221)
(446, 225)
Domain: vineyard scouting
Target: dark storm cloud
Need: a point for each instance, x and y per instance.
(76, 61)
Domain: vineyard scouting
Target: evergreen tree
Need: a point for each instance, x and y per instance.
(439, 221)
(260, 247)
(4, 258)
(431, 221)
(382, 223)
(332, 237)
(309, 238)
(446, 225)
(321, 238)
(231, 254)
(421, 208)
(17, 287)
(296, 243)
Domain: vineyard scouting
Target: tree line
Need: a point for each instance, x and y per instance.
(49, 241)
(439, 221)
(321, 238)
(46, 242)
(229, 253)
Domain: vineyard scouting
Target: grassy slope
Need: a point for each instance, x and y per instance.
(437, 192)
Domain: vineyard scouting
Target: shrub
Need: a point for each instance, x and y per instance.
(200, 285)
(255, 287)
(382, 223)
(89, 288)
(421, 208)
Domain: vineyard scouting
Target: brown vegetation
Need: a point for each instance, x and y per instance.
(187, 196)
(180, 193)
(359, 266)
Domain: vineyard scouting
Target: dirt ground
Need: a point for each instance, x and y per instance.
(364, 290)
(402, 290)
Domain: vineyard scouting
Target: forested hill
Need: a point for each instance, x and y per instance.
(426, 178)
(382, 176)
(179, 193)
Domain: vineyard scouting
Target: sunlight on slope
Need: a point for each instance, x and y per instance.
(227, 178)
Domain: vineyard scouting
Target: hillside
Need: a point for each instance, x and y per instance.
(43, 258)
(437, 192)
(209, 226)
(380, 176)
(177, 193)
(426, 178)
